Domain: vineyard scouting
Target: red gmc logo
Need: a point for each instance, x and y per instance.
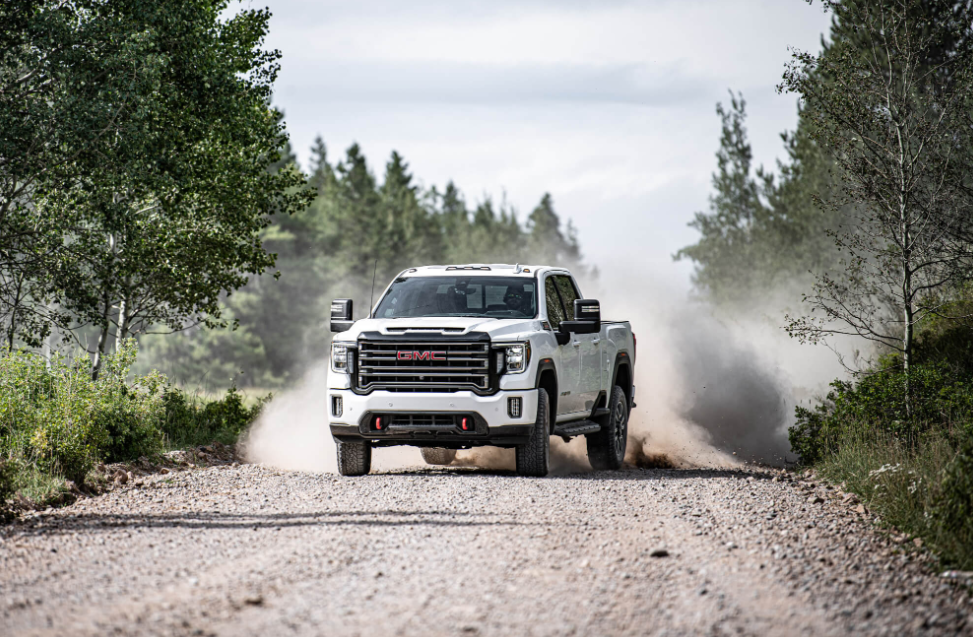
(415, 355)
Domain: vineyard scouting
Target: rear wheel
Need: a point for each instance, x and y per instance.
(534, 458)
(354, 458)
(606, 448)
(438, 455)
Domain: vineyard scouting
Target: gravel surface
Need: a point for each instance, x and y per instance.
(247, 550)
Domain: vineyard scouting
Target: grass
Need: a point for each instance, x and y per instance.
(39, 487)
(912, 487)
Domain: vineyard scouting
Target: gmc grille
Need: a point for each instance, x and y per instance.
(417, 366)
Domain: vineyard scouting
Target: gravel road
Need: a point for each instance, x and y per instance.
(247, 550)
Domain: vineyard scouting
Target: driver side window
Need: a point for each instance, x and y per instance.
(555, 312)
(568, 294)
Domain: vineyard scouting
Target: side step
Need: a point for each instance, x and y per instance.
(576, 428)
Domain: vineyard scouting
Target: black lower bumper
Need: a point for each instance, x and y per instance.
(449, 438)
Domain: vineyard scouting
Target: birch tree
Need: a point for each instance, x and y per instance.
(891, 101)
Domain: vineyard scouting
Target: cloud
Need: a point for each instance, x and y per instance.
(460, 82)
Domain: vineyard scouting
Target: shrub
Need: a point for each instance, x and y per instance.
(47, 414)
(190, 420)
(942, 397)
(56, 421)
(130, 413)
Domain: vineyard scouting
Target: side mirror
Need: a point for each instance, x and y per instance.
(341, 313)
(587, 315)
(588, 310)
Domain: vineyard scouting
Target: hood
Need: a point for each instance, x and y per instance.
(498, 329)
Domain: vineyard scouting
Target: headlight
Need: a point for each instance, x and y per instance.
(339, 357)
(518, 357)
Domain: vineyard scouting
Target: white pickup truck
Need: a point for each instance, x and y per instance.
(460, 356)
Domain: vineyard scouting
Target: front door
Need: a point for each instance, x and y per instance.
(569, 368)
(588, 347)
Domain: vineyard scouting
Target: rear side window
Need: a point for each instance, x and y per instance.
(568, 294)
(555, 313)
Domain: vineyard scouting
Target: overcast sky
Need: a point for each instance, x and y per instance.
(607, 105)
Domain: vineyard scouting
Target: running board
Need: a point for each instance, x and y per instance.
(576, 428)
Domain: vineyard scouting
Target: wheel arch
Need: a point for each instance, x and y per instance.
(547, 380)
(623, 376)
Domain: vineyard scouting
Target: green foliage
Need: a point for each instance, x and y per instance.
(941, 387)
(143, 131)
(942, 399)
(190, 421)
(357, 227)
(762, 232)
(47, 414)
(55, 420)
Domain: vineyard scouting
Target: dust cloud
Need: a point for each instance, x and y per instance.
(292, 433)
(710, 392)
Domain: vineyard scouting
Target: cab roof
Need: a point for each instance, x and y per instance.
(480, 269)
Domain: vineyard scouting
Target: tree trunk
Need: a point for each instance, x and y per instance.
(908, 312)
(905, 220)
(100, 352)
(122, 333)
(102, 340)
(907, 352)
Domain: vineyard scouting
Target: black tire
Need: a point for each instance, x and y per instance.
(534, 458)
(606, 448)
(438, 455)
(354, 458)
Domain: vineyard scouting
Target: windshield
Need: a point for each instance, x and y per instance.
(488, 296)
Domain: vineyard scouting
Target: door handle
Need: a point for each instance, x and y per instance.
(576, 343)
(596, 341)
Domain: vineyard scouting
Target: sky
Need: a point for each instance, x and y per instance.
(608, 105)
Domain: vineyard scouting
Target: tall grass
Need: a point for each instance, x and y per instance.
(910, 486)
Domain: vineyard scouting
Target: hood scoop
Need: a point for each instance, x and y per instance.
(425, 330)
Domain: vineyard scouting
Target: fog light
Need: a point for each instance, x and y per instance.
(514, 407)
(336, 409)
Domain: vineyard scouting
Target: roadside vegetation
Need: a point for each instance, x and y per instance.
(871, 217)
(914, 470)
(57, 422)
(138, 170)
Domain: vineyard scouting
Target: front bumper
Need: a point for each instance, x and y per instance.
(493, 425)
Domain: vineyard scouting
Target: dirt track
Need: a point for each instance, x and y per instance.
(245, 550)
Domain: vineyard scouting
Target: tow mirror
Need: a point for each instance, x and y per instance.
(341, 313)
(587, 315)
(588, 310)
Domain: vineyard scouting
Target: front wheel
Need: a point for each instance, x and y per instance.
(354, 458)
(534, 458)
(606, 448)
